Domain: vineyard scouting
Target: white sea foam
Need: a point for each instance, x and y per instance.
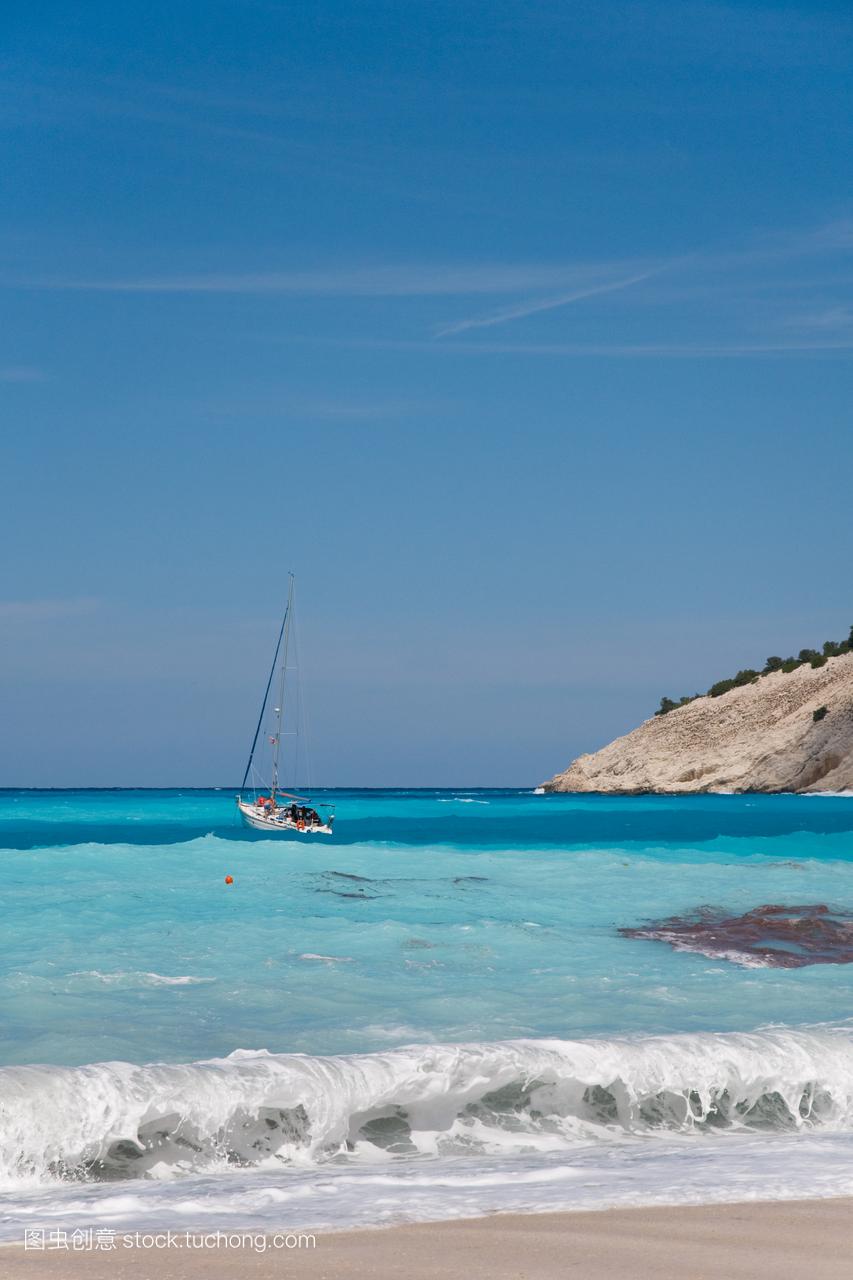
(462, 800)
(115, 1119)
(132, 977)
(732, 954)
(396, 1033)
(311, 955)
(183, 980)
(667, 1170)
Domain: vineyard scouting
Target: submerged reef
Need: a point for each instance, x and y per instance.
(773, 937)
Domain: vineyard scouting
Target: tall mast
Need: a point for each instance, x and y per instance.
(279, 711)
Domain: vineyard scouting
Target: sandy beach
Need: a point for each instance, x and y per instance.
(784, 1240)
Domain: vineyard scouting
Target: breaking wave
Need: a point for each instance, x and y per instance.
(114, 1120)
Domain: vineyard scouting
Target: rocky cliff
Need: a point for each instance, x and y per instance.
(760, 737)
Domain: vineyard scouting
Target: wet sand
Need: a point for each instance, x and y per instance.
(775, 1240)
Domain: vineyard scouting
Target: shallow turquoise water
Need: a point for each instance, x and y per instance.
(429, 919)
(481, 915)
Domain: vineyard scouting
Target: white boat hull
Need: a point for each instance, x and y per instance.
(259, 819)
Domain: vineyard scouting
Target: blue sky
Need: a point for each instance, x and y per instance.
(522, 332)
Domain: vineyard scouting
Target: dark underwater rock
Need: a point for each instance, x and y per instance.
(770, 936)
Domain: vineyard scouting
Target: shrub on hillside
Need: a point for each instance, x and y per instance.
(831, 649)
(820, 713)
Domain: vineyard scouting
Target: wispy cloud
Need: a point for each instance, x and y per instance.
(379, 281)
(549, 285)
(340, 410)
(838, 319)
(775, 292)
(666, 350)
(45, 610)
(535, 305)
(656, 350)
(21, 373)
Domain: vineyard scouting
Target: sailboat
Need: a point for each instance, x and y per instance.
(278, 812)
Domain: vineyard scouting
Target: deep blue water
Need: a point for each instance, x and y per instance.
(512, 818)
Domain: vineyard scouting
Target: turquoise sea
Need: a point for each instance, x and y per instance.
(430, 1014)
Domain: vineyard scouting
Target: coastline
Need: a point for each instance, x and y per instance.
(782, 1239)
(770, 732)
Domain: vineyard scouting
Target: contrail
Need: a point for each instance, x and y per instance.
(542, 304)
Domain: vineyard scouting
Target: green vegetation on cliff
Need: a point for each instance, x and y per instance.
(814, 657)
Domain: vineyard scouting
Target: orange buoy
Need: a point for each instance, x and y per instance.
(229, 879)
